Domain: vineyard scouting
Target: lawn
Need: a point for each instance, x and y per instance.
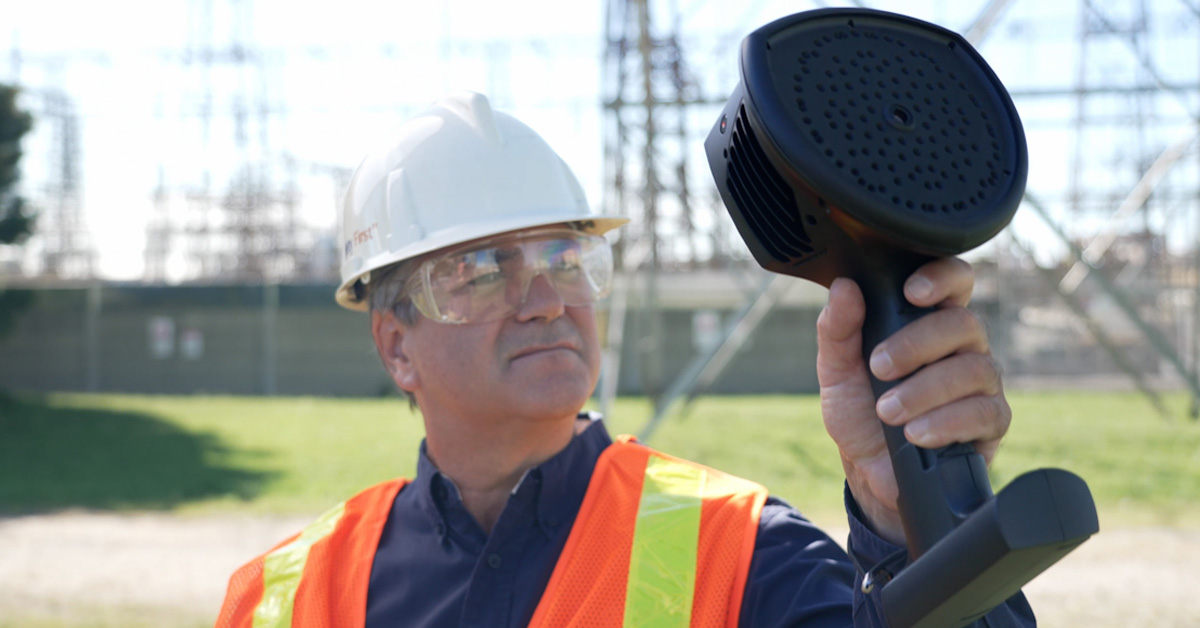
(260, 455)
(208, 457)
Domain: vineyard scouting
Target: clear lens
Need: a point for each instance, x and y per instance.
(491, 279)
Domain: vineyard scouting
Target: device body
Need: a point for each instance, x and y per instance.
(864, 144)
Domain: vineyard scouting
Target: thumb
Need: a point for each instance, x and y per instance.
(839, 335)
(847, 403)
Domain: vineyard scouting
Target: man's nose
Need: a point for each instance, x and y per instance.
(542, 300)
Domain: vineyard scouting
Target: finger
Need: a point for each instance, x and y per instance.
(943, 282)
(956, 377)
(928, 339)
(981, 419)
(839, 334)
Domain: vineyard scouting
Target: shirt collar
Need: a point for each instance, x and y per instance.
(562, 480)
(428, 483)
(566, 475)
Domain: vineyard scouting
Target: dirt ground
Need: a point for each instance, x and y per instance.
(83, 569)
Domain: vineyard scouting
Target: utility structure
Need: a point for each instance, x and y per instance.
(235, 217)
(60, 247)
(1134, 123)
(653, 105)
(65, 252)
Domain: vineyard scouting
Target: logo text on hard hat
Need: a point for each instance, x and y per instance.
(363, 236)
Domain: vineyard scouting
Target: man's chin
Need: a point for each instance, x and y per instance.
(554, 402)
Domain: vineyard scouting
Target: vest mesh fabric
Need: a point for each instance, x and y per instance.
(588, 586)
(728, 529)
(597, 550)
(333, 587)
(341, 563)
(245, 591)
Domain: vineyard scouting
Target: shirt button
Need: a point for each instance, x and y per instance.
(494, 561)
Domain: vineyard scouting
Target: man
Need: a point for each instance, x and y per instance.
(480, 261)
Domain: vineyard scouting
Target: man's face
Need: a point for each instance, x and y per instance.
(540, 363)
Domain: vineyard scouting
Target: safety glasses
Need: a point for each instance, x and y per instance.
(489, 280)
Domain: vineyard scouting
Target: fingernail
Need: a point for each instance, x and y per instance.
(917, 432)
(881, 363)
(889, 407)
(920, 288)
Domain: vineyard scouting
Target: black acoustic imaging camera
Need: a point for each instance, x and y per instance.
(863, 144)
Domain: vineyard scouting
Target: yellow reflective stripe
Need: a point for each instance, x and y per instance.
(283, 567)
(662, 565)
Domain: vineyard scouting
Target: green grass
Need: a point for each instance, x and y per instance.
(245, 454)
(299, 455)
(1141, 469)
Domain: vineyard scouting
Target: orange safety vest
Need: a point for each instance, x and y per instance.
(658, 541)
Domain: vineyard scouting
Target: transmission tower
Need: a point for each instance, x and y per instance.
(1135, 125)
(65, 249)
(61, 247)
(237, 219)
(647, 92)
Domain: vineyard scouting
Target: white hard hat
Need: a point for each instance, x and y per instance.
(455, 173)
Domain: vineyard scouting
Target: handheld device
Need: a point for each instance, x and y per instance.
(862, 144)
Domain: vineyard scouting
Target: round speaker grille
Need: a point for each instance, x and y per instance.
(909, 116)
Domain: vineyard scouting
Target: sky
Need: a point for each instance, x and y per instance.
(332, 80)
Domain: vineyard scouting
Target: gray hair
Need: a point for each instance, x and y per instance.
(384, 291)
(384, 294)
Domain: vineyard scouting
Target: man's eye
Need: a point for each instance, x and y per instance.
(566, 268)
(484, 281)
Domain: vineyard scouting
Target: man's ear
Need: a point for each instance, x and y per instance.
(390, 335)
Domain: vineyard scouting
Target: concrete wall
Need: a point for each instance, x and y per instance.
(201, 339)
(293, 340)
(780, 357)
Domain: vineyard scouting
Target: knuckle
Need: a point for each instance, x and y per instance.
(1005, 411)
(995, 415)
(996, 381)
(824, 322)
(985, 374)
(971, 327)
(968, 272)
(968, 321)
(983, 410)
(902, 345)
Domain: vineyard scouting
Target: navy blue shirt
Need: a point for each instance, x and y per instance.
(436, 567)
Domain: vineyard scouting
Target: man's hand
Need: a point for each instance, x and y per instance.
(953, 393)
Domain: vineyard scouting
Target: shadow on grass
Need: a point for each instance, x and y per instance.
(55, 458)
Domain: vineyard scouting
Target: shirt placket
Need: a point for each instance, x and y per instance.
(489, 599)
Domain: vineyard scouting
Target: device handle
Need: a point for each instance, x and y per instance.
(938, 488)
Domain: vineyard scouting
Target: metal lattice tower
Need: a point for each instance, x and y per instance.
(65, 250)
(1131, 116)
(237, 219)
(1145, 191)
(655, 115)
(60, 246)
(647, 94)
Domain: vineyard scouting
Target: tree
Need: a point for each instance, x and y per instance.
(15, 223)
